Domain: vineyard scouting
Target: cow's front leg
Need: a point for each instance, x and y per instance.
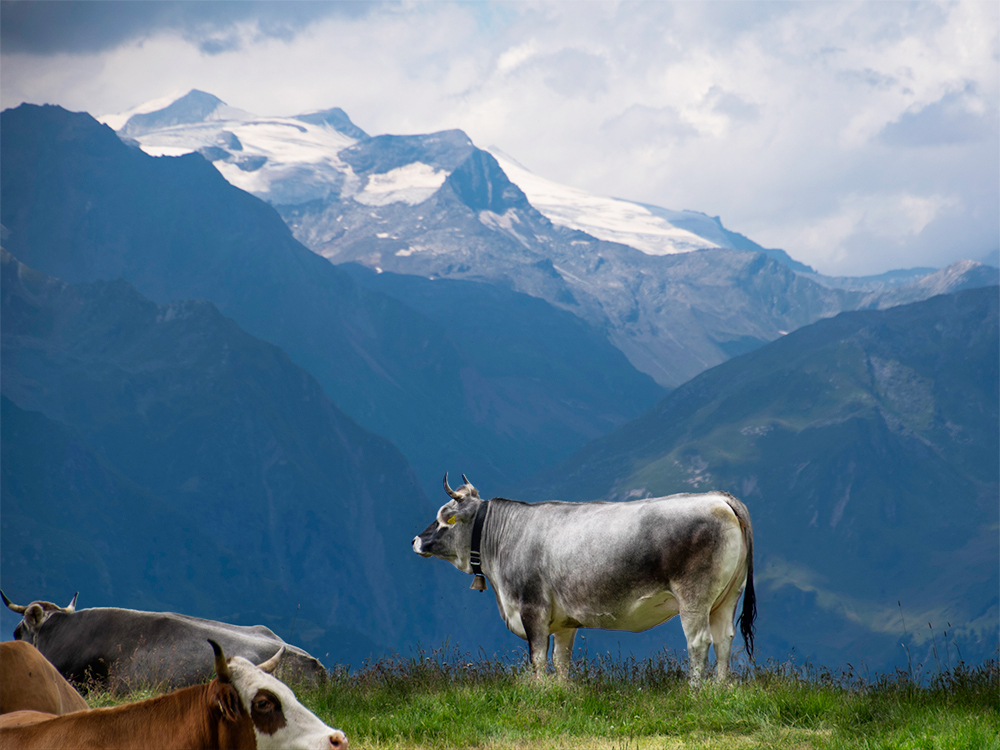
(562, 652)
(536, 631)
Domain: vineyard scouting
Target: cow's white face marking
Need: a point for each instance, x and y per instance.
(450, 536)
(280, 721)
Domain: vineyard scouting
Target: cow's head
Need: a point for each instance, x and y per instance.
(450, 536)
(279, 720)
(35, 615)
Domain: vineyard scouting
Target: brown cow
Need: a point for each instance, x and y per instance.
(244, 707)
(29, 683)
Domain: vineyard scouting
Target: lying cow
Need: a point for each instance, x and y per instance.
(28, 682)
(127, 648)
(243, 708)
(556, 567)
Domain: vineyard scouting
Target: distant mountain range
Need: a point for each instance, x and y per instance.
(675, 291)
(82, 206)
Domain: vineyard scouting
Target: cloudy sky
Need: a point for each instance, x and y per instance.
(858, 136)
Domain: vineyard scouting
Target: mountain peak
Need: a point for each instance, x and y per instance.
(194, 106)
(199, 96)
(337, 119)
(482, 185)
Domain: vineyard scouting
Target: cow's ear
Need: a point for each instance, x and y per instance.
(34, 616)
(229, 701)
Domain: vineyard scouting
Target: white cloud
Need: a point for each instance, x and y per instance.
(890, 223)
(516, 55)
(856, 135)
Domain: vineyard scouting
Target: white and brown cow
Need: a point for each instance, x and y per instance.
(556, 567)
(243, 708)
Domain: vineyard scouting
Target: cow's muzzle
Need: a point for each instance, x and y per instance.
(417, 547)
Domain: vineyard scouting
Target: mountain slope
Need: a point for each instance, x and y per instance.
(80, 205)
(524, 351)
(866, 448)
(963, 274)
(189, 435)
(60, 499)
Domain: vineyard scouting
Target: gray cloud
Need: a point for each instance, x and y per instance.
(732, 105)
(46, 27)
(945, 122)
(572, 72)
(868, 77)
(642, 125)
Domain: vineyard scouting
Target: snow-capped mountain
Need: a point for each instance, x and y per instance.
(281, 159)
(265, 155)
(675, 291)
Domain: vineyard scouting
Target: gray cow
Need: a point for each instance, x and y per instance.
(556, 567)
(127, 647)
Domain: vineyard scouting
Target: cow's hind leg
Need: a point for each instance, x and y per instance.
(721, 621)
(699, 637)
(562, 652)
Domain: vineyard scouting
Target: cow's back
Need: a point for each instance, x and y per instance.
(28, 682)
(166, 650)
(173, 652)
(577, 543)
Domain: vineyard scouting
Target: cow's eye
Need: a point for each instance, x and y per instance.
(452, 519)
(263, 705)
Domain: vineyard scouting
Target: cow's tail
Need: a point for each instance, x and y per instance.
(749, 613)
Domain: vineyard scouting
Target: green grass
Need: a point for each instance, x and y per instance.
(445, 700)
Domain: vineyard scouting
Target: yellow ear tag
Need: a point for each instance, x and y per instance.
(451, 520)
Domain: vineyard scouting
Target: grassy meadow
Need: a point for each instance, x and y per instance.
(445, 700)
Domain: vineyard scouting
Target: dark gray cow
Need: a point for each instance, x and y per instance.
(126, 647)
(556, 567)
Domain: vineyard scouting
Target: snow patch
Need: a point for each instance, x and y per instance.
(504, 222)
(411, 184)
(408, 251)
(166, 150)
(609, 219)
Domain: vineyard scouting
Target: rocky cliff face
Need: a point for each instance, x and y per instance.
(672, 315)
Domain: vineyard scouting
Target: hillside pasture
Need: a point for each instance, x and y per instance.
(444, 699)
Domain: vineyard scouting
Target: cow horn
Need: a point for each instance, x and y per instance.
(451, 493)
(221, 665)
(11, 606)
(466, 480)
(71, 607)
(271, 664)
